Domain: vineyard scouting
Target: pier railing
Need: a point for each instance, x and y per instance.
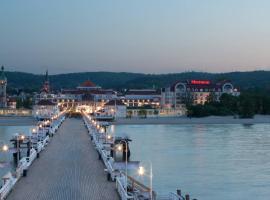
(31, 158)
(133, 189)
(8, 183)
(23, 165)
(9, 180)
(121, 188)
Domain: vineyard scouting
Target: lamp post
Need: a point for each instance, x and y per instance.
(18, 138)
(119, 148)
(141, 172)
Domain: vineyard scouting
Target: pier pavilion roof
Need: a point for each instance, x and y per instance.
(88, 83)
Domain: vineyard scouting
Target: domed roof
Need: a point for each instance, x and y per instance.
(88, 83)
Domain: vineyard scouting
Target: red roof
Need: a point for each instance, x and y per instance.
(88, 83)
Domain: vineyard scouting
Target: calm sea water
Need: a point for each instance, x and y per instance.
(6, 133)
(219, 162)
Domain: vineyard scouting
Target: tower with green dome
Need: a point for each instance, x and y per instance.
(3, 89)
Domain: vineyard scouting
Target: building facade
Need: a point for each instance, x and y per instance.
(45, 109)
(115, 108)
(142, 98)
(195, 92)
(87, 94)
(3, 89)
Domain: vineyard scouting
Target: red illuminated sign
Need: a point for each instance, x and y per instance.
(199, 82)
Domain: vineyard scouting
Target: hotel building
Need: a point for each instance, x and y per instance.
(195, 92)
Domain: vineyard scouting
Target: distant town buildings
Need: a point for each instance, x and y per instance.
(8, 104)
(168, 101)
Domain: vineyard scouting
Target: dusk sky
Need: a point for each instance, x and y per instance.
(148, 36)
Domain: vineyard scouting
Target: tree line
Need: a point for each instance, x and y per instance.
(245, 105)
(125, 80)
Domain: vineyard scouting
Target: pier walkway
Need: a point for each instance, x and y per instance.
(68, 169)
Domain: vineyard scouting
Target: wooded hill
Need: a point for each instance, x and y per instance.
(123, 80)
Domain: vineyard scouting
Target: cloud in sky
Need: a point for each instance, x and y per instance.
(153, 36)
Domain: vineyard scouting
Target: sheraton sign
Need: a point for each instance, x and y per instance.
(200, 82)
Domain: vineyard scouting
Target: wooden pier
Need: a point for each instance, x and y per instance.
(67, 169)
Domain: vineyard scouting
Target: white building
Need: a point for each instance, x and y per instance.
(115, 108)
(88, 93)
(142, 97)
(45, 109)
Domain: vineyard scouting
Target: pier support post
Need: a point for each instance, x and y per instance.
(25, 172)
(28, 148)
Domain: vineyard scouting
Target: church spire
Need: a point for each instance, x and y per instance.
(46, 84)
(3, 76)
(47, 76)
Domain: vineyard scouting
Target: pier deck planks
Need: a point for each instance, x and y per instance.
(68, 169)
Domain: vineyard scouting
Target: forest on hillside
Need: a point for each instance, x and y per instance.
(256, 80)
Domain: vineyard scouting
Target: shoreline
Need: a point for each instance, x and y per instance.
(17, 121)
(258, 119)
